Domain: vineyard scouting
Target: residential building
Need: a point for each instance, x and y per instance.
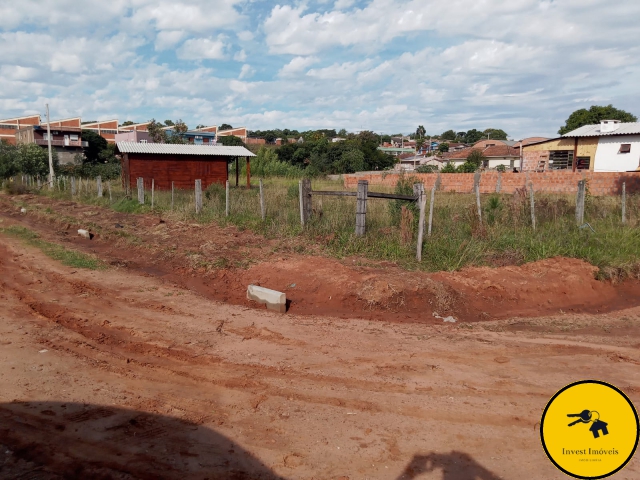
(67, 141)
(240, 132)
(397, 151)
(492, 142)
(107, 129)
(610, 146)
(9, 126)
(135, 136)
(496, 155)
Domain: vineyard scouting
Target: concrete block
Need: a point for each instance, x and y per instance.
(84, 233)
(274, 300)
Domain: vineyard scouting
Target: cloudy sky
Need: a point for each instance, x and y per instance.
(384, 65)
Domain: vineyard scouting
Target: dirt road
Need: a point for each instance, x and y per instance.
(121, 374)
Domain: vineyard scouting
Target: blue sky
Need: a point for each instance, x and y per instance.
(383, 65)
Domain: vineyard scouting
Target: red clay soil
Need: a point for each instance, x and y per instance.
(119, 375)
(187, 254)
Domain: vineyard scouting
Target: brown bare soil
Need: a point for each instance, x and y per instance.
(159, 368)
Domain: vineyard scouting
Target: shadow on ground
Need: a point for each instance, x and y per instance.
(454, 466)
(52, 440)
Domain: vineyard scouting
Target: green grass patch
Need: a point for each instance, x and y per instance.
(71, 258)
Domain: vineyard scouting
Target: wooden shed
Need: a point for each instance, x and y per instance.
(180, 164)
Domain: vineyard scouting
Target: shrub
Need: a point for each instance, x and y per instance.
(427, 169)
(449, 168)
(404, 186)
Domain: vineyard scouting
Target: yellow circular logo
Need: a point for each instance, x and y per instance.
(589, 429)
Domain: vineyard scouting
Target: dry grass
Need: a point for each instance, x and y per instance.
(503, 236)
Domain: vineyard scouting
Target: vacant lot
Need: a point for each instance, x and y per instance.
(135, 354)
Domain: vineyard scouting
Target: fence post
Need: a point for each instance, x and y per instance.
(198, 196)
(580, 203)
(477, 187)
(533, 206)
(73, 186)
(301, 203)
(418, 190)
(499, 183)
(226, 199)
(305, 200)
(422, 199)
(109, 188)
(39, 183)
(361, 207)
(624, 203)
(433, 198)
(140, 190)
(262, 206)
(99, 185)
(171, 195)
(153, 188)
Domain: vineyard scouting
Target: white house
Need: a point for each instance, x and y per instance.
(618, 145)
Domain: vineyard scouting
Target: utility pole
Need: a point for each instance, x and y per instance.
(50, 153)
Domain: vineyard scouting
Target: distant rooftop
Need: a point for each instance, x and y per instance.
(596, 130)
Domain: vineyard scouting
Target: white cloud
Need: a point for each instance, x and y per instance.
(240, 56)
(202, 49)
(245, 35)
(168, 39)
(246, 71)
(297, 65)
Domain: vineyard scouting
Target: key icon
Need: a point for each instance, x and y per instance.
(583, 417)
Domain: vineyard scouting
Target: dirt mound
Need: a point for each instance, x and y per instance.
(220, 262)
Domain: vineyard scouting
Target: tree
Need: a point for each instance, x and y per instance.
(231, 141)
(169, 123)
(156, 131)
(9, 159)
(474, 160)
(495, 134)
(225, 126)
(473, 136)
(176, 134)
(449, 135)
(270, 137)
(342, 133)
(443, 147)
(420, 131)
(449, 168)
(427, 169)
(96, 144)
(419, 143)
(34, 160)
(351, 161)
(594, 116)
(127, 123)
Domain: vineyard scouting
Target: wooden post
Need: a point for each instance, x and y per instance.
(237, 172)
(533, 206)
(361, 207)
(140, 190)
(248, 173)
(308, 205)
(422, 202)
(198, 196)
(433, 197)
(153, 188)
(109, 188)
(580, 202)
(73, 185)
(499, 183)
(478, 203)
(418, 189)
(226, 197)
(172, 195)
(262, 205)
(99, 185)
(624, 203)
(301, 203)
